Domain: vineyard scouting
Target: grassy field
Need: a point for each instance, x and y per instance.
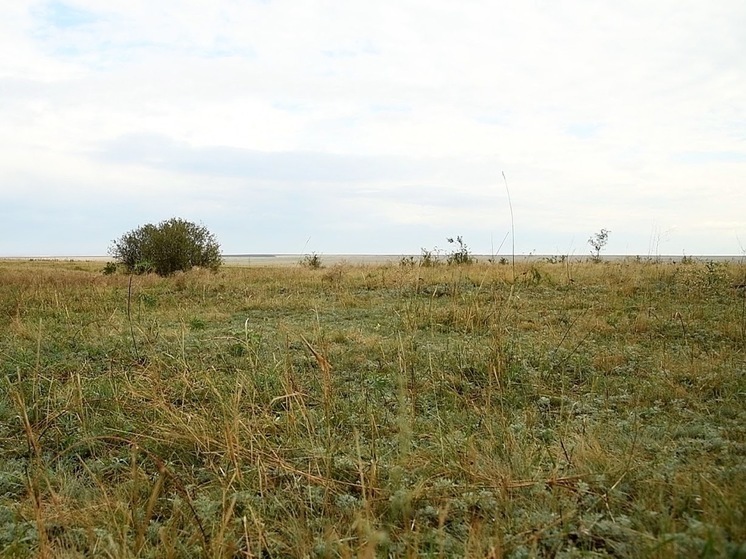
(386, 411)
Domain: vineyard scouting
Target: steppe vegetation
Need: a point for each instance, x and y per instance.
(584, 409)
(173, 245)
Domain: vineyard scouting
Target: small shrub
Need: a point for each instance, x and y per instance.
(429, 258)
(109, 269)
(461, 255)
(171, 246)
(598, 242)
(312, 261)
(407, 261)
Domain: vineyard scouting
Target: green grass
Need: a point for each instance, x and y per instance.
(584, 410)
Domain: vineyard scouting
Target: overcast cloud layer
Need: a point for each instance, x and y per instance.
(375, 127)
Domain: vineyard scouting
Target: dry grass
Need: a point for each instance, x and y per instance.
(374, 411)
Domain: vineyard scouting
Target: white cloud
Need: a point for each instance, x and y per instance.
(627, 116)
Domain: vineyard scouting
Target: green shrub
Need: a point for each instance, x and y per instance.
(460, 255)
(598, 242)
(171, 246)
(312, 261)
(109, 269)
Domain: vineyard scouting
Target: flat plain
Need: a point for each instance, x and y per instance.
(563, 408)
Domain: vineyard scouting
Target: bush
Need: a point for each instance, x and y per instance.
(312, 261)
(598, 242)
(462, 254)
(109, 269)
(171, 246)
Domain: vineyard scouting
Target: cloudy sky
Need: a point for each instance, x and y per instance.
(358, 126)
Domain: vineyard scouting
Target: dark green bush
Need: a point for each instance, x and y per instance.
(109, 269)
(171, 246)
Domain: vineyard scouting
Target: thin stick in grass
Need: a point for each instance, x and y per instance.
(129, 319)
(512, 223)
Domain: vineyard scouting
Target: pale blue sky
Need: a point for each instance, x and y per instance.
(374, 127)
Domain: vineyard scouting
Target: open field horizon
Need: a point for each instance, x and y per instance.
(288, 259)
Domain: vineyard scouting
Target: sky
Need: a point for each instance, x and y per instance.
(383, 127)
